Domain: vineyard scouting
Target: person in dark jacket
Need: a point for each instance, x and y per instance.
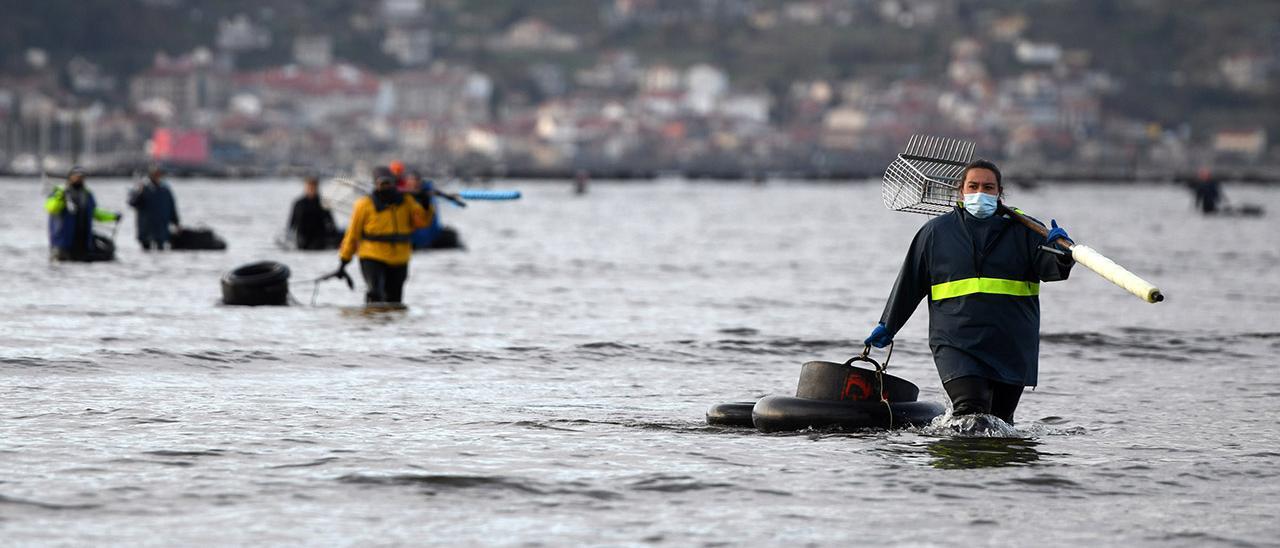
(72, 210)
(156, 210)
(1208, 191)
(981, 271)
(311, 222)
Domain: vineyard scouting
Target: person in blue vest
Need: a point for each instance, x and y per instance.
(423, 190)
(981, 271)
(72, 210)
(156, 210)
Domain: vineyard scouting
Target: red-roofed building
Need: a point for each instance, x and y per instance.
(183, 84)
(315, 93)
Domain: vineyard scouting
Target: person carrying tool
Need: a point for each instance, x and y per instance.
(424, 192)
(380, 231)
(72, 210)
(981, 271)
(156, 210)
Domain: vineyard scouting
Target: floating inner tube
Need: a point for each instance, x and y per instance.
(736, 413)
(197, 239)
(1243, 210)
(781, 413)
(835, 395)
(102, 249)
(289, 241)
(447, 238)
(256, 284)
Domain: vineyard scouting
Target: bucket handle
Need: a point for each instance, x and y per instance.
(880, 372)
(866, 357)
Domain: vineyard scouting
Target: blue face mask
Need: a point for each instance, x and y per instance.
(980, 205)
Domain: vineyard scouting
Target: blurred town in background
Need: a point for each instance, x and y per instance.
(1117, 90)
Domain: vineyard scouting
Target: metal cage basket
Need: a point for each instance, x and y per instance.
(926, 177)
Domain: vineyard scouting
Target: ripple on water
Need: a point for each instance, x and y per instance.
(14, 501)
(664, 483)
(436, 483)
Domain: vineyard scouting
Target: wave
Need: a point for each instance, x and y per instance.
(663, 483)
(14, 501)
(435, 483)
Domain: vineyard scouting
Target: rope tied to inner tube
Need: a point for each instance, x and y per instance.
(880, 368)
(340, 274)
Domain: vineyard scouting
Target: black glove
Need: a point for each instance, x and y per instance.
(342, 273)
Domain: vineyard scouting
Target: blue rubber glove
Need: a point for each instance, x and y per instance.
(1057, 232)
(880, 337)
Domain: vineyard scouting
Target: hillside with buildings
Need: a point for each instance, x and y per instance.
(635, 87)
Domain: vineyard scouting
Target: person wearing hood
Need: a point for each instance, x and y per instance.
(380, 233)
(981, 271)
(156, 210)
(72, 210)
(310, 221)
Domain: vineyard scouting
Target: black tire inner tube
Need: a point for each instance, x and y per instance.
(737, 413)
(254, 284)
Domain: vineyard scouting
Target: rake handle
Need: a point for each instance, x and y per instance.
(1034, 226)
(1095, 261)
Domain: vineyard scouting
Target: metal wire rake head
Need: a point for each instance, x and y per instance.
(925, 178)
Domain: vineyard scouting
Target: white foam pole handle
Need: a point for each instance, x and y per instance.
(1116, 274)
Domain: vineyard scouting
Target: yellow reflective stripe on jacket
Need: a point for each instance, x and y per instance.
(996, 286)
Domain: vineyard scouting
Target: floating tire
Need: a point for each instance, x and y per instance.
(104, 249)
(101, 249)
(736, 413)
(784, 413)
(197, 239)
(264, 283)
(446, 239)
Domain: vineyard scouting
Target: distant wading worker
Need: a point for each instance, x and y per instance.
(424, 192)
(1208, 191)
(72, 210)
(310, 222)
(380, 231)
(980, 270)
(156, 210)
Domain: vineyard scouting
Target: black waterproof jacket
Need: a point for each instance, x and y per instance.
(312, 224)
(982, 280)
(156, 210)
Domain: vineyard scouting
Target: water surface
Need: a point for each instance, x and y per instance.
(548, 385)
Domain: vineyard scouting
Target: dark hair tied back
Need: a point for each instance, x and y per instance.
(982, 164)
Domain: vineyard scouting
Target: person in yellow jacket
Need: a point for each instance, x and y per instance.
(379, 232)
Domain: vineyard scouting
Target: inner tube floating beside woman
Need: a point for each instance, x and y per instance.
(833, 395)
(200, 238)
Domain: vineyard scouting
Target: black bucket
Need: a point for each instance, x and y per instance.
(830, 381)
